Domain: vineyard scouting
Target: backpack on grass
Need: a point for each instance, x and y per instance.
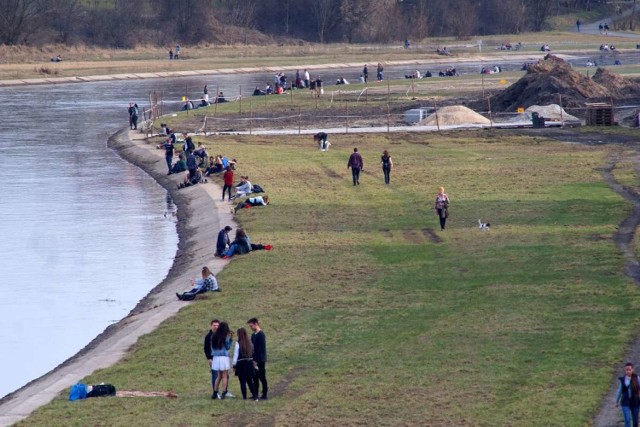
(100, 390)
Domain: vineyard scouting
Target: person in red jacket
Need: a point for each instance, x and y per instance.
(228, 182)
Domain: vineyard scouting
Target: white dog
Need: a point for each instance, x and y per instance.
(484, 226)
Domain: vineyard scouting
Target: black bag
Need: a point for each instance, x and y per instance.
(100, 390)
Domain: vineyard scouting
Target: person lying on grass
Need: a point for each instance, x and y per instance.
(207, 283)
(250, 202)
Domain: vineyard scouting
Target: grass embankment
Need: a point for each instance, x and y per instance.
(21, 62)
(374, 318)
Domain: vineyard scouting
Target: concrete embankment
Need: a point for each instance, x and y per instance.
(199, 220)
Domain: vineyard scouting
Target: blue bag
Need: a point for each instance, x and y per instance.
(78, 391)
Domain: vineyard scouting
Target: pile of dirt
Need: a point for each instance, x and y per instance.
(618, 86)
(544, 82)
(455, 115)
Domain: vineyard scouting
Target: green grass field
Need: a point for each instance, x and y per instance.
(375, 317)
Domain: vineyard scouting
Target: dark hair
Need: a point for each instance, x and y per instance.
(628, 364)
(385, 153)
(355, 150)
(240, 233)
(214, 321)
(228, 228)
(220, 336)
(253, 320)
(246, 348)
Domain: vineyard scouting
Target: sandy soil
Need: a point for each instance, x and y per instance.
(199, 220)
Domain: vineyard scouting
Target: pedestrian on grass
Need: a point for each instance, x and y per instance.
(206, 93)
(306, 79)
(220, 346)
(356, 164)
(628, 396)
(243, 364)
(228, 182)
(259, 341)
(215, 323)
(379, 72)
(442, 207)
(606, 29)
(168, 153)
(387, 165)
(365, 73)
(600, 28)
(578, 25)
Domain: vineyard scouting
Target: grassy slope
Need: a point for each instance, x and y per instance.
(369, 322)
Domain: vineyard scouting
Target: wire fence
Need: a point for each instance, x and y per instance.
(380, 105)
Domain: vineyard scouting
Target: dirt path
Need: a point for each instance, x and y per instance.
(593, 27)
(609, 415)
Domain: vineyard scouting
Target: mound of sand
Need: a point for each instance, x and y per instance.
(618, 86)
(455, 115)
(552, 112)
(543, 82)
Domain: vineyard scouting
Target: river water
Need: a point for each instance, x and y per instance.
(84, 235)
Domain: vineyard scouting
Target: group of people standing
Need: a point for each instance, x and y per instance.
(356, 164)
(248, 363)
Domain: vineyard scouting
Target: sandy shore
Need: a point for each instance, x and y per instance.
(199, 220)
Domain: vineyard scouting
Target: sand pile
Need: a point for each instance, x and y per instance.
(618, 86)
(455, 115)
(543, 82)
(552, 112)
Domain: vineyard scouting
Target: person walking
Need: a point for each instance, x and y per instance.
(356, 164)
(168, 154)
(259, 341)
(628, 396)
(578, 25)
(243, 364)
(365, 73)
(228, 182)
(387, 165)
(379, 70)
(442, 207)
(205, 91)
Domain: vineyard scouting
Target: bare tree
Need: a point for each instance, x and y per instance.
(326, 14)
(354, 13)
(20, 19)
(64, 17)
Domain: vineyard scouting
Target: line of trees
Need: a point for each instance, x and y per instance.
(125, 23)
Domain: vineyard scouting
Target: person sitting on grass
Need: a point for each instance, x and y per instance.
(192, 177)
(250, 202)
(223, 242)
(208, 283)
(243, 188)
(180, 165)
(240, 245)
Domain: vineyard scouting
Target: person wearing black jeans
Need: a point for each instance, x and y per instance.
(442, 207)
(259, 341)
(356, 164)
(387, 164)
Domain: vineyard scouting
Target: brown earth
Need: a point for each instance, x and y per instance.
(543, 84)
